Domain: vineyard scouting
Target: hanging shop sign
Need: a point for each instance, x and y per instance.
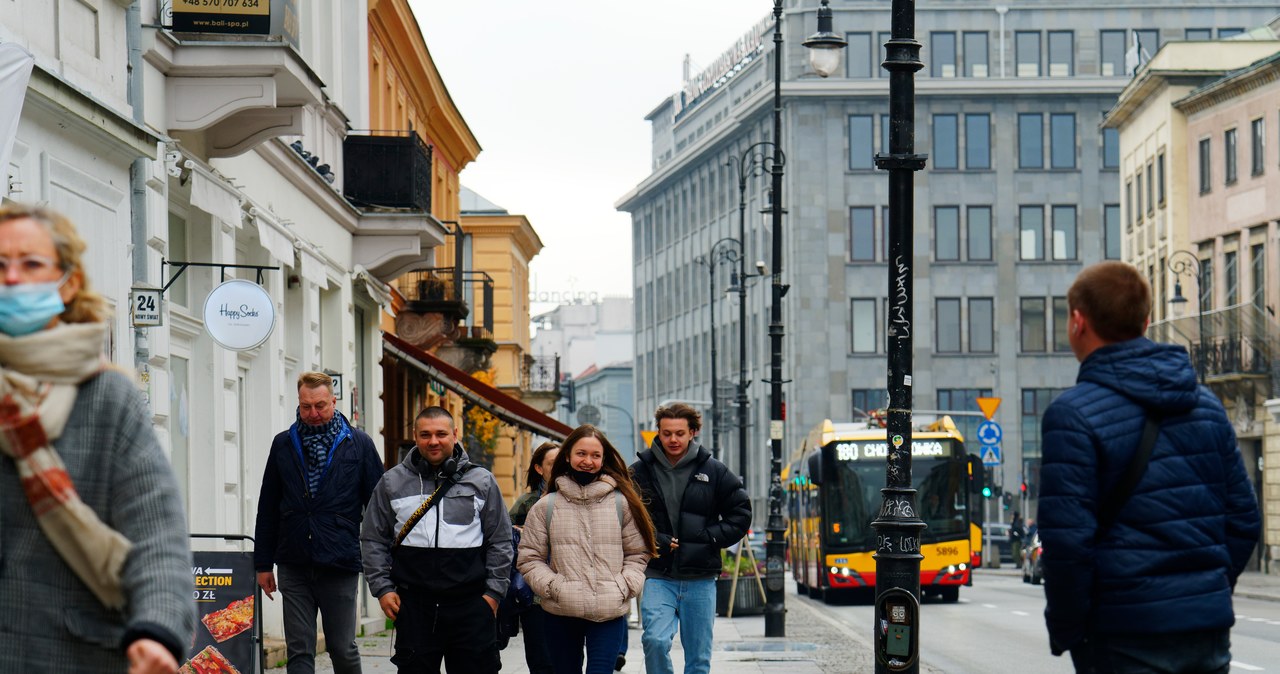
(241, 17)
(239, 315)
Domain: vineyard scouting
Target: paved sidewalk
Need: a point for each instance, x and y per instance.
(815, 644)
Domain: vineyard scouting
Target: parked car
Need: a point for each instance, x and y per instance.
(1032, 566)
(995, 536)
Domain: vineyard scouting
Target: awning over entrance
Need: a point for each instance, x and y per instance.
(490, 399)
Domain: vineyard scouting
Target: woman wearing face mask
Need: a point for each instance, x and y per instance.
(97, 569)
(532, 621)
(584, 550)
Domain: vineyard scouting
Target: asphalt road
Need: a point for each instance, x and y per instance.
(997, 627)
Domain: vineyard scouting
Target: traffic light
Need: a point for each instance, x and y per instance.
(986, 492)
(569, 393)
(1008, 500)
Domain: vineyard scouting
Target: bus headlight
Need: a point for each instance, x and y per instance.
(835, 571)
(951, 569)
(963, 566)
(845, 572)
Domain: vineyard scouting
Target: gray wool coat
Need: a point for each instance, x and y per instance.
(49, 620)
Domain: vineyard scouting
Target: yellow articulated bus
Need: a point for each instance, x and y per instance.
(833, 487)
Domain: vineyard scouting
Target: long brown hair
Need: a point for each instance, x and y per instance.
(614, 467)
(534, 480)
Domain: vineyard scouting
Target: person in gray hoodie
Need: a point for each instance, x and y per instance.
(440, 578)
(699, 507)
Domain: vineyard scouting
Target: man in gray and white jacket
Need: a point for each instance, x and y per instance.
(443, 583)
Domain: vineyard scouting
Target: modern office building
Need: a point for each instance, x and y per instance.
(1021, 191)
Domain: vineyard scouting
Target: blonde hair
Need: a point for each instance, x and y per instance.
(315, 380)
(87, 306)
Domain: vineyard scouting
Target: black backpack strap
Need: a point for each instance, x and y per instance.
(1110, 507)
(441, 487)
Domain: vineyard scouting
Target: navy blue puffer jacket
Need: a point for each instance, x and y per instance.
(1170, 561)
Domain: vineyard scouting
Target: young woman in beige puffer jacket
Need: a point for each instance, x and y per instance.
(584, 549)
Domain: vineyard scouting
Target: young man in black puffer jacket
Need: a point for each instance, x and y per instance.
(699, 507)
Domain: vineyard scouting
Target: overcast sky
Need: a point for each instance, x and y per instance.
(556, 93)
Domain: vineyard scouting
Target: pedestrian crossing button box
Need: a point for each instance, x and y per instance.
(897, 639)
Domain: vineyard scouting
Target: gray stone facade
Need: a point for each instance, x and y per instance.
(978, 322)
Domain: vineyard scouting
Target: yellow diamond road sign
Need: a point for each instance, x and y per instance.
(988, 406)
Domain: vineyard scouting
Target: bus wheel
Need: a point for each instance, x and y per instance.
(949, 593)
(801, 589)
(815, 592)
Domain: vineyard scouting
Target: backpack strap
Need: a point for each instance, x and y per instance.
(1110, 507)
(618, 500)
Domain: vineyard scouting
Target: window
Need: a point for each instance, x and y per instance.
(1110, 148)
(1113, 48)
(1206, 285)
(945, 144)
(1062, 134)
(1061, 53)
(1111, 230)
(884, 134)
(961, 400)
(1258, 128)
(979, 239)
(1160, 177)
(1151, 188)
(942, 54)
(1199, 34)
(1034, 402)
(975, 55)
(1031, 226)
(178, 232)
(981, 325)
(1224, 33)
(1148, 43)
(1027, 50)
(1128, 204)
(1064, 232)
(862, 234)
(882, 38)
(946, 233)
(977, 141)
(1229, 155)
(1030, 141)
(1206, 174)
(862, 325)
(948, 313)
(1137, 196)
(1258, 282)
(867, 399)
(1060, 341)
(884, 232)
(858, 55)
(1033, 324)
(861, 155)
(1231, 277)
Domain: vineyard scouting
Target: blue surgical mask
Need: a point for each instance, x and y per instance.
(27, 307)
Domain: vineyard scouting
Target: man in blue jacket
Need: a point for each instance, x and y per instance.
(1152, 591)
(319, 475)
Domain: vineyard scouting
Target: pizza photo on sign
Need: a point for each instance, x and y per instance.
(230, 621)
(208, 661)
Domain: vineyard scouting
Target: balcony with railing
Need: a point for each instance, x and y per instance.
(387, 171)
(541, 374)
(1235, 350)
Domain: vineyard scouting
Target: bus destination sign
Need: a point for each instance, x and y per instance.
(857, 451)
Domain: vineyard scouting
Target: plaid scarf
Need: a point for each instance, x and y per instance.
(316, 442)
(40, 376)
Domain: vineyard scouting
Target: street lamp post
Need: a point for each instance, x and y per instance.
(898, 526)
(824, 57)
(1185, 263)
(711, 260)
(756, 160)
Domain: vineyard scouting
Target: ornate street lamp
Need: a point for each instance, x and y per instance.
(897, 609)
(774, 611)
(711, 260)
(1185, 263)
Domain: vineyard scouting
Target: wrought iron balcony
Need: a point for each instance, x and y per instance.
(541, 373)
(1228, 346)
(434, 291)
(387, 170)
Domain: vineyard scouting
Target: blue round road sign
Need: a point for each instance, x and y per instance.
(990, 433)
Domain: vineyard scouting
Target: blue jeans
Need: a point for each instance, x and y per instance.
(567, 636)
(306, 590)
(1185, 653)
(688, 604)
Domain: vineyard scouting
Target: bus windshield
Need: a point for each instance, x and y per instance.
(852, 499)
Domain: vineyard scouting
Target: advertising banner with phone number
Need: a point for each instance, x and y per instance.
(246, 17)
(224, 585)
